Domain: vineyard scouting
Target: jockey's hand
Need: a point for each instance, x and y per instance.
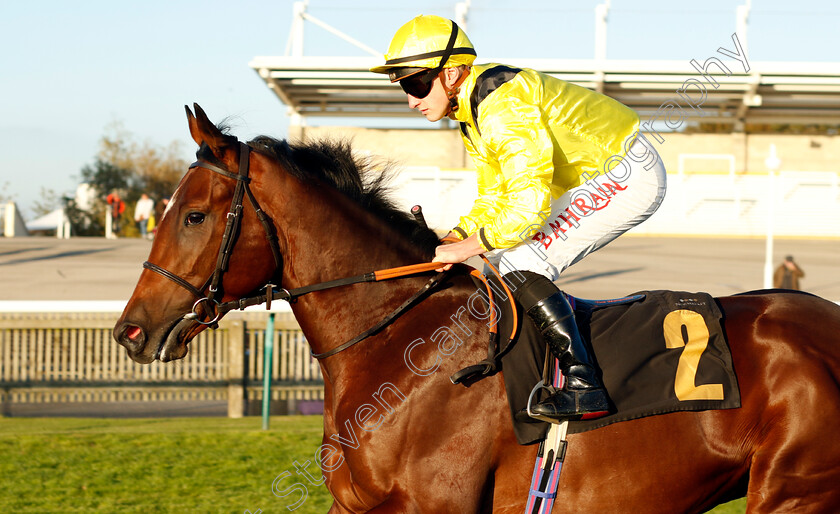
(457, 252)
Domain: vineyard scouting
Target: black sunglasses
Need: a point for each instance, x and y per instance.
(420, 84)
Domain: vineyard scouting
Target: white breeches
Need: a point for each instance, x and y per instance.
(589, 216)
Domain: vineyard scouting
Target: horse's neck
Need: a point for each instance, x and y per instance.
(339, 239)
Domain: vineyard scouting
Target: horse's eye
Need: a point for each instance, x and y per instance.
(194, 218)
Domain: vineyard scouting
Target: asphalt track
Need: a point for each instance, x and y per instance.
(89, 269)
(37, 270)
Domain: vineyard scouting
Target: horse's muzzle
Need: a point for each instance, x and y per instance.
(167, 343)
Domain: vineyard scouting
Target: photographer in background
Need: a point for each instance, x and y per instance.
(787, 275)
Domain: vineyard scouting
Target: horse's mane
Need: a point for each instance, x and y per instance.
(361, 179)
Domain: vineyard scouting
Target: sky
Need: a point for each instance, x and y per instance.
(68, 70)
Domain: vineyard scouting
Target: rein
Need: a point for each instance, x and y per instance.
(290, 295)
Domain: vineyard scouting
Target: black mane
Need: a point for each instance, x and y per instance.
(333, 163)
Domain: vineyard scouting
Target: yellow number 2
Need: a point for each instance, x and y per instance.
(694, 339)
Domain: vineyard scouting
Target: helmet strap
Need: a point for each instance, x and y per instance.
(453, 102)
(447, 52)
(452, 94)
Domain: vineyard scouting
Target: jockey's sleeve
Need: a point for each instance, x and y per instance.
(516, 132)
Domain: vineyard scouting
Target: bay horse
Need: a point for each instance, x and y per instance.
(404, 441)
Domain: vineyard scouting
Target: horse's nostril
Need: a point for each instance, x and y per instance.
(131, 337)
(133, 332)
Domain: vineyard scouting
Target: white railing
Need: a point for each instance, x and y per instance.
(804, 203)
(683, 157)
(72, 357)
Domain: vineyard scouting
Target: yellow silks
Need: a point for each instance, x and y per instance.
(536, 136)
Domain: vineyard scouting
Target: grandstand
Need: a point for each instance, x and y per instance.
(719, 183)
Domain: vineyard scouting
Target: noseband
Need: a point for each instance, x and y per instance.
(232, 226)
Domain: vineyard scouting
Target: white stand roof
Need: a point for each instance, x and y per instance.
(771, 92)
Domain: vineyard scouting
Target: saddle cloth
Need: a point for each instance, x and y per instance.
(659, 352)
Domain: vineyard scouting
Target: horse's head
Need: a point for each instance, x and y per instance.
(209, 247)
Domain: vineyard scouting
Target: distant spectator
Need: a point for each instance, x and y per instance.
(115, 208)
(787, 275)
(142, 213)
(160, 208)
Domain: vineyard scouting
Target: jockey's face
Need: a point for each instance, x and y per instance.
(435, 105)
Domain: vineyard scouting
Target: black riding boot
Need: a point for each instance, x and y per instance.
(583, 396)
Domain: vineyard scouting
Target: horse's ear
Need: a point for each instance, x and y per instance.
(203, 130)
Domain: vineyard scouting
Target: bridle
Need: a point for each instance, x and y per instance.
(487, 366)
(233, 224)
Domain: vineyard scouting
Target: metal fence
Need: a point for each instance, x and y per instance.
(72, 358)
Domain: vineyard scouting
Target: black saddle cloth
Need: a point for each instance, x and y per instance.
(660, 352)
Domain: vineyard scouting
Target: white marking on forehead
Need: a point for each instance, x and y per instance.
(171, 202)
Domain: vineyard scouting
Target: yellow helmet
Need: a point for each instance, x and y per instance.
(427, 42)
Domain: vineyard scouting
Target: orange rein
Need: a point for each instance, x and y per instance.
(376, 276)
(404, 271)
(413, 269)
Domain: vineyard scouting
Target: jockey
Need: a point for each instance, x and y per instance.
(562, 171)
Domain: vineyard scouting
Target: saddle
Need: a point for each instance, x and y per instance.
(658, 351)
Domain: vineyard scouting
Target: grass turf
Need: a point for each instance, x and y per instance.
(164, 465)
(156, 465)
